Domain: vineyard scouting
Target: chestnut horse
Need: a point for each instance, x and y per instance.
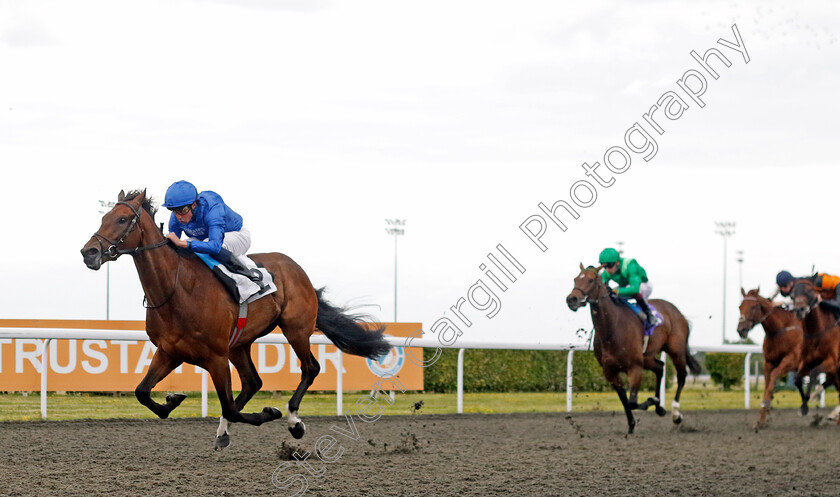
(190, 316)
(821, 343)
(618, 343)
(782, 345)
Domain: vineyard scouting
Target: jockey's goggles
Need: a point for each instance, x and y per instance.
(181, 210)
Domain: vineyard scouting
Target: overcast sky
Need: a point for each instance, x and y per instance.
(318, 120)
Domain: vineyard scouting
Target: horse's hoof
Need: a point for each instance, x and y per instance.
(222, 442)
(273, 413)
(298, 430)
(677, 419)
(175, 399)
(660, 411)
(803, 411)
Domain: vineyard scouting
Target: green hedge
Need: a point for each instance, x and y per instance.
(487, 370)
(726, 370)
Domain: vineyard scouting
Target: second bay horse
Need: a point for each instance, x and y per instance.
(781, 348)
(618, 343)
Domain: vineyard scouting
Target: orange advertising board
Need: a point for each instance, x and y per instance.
(116, 365)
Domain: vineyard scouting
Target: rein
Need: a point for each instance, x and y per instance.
(768, 333)
(174, 289)
(115, 252)
(760, 321)
(586, 298)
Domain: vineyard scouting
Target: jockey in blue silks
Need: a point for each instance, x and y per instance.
(211, 226)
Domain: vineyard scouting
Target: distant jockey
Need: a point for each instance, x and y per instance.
(632, 282)
(827, 284)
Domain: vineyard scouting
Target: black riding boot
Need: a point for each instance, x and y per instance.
(651, 318)
(232, 263)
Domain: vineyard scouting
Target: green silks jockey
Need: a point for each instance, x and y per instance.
(631, 278)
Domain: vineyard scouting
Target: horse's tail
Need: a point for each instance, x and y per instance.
(692, 363)
(347, 332)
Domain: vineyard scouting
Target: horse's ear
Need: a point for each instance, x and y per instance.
(758, 289)
(581, 267)
(142, 197)
(121, 196)
(743, 293)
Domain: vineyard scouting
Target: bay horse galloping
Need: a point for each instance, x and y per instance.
(618, 343)
(190, 316)
(782, 345)
(821, 341)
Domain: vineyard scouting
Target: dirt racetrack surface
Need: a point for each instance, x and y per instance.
(582, 454)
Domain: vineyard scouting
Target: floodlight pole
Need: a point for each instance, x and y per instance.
(105, 206)
(724, 229)
(395, 227)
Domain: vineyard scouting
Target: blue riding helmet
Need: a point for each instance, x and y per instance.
(784, 278)
(179, 194)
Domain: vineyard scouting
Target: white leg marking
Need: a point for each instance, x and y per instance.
(291, 417)
(834, 413)
(817, 392)
(223, 426)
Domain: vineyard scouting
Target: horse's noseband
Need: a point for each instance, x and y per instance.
(757, 304)
(112, 251)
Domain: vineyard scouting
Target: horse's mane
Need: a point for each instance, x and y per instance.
(148, 202)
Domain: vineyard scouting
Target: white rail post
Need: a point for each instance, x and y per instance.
(569, 376)
(45, 366)
(203, 393)
(339, 384)
(460, 381)
(747, 380)
(822, 394)
(663, 357)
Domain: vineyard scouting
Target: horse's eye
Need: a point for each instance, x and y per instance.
(122, 220)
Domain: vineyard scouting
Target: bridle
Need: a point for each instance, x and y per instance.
(812, 297)
(115, 252)
(764, 317)
(585, 295)
(758, 304)
(813, 301)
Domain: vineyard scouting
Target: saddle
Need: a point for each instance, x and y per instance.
(641, 314)
(243, 289)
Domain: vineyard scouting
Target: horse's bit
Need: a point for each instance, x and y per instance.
(115, 252)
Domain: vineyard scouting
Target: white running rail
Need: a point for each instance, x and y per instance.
(49, 334)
